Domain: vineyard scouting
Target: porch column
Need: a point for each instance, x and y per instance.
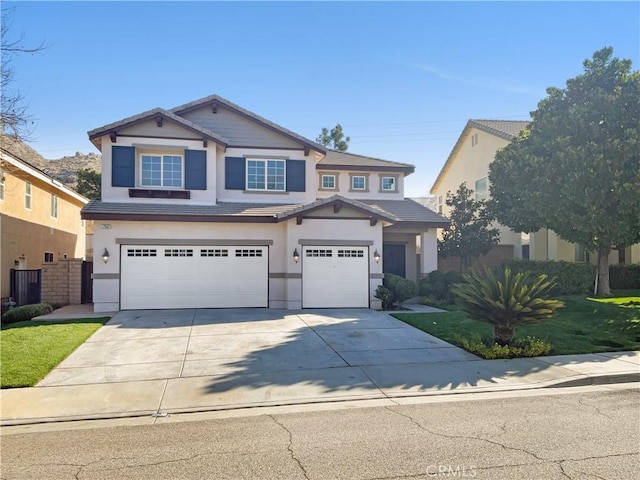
(428, 251)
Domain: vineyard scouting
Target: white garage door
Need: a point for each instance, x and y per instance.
(335, 277)
(155, 276)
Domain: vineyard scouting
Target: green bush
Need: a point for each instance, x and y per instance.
(505, 300)
(624, 277)
(524, 347)
(26, 312)
(395, 290)
(572, 278)
(436, 287)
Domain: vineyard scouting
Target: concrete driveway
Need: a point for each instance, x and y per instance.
(234, 345)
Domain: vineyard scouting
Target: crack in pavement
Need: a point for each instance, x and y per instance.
(289, 448)
(582, 401)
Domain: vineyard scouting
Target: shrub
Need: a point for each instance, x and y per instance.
(436, 287)
(395, 290)
(26, 312)
(624, 277)
(524, 347)
(505, 300)
(571, 278)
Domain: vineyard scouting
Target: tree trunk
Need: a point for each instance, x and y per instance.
(502, 334)
(603, 289)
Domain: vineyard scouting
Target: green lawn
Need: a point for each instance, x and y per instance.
(585, 325)
(30, 350)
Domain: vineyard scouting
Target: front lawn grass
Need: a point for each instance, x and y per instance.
(29, 350)
(585, 325)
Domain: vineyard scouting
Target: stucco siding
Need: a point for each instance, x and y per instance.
(372, 192)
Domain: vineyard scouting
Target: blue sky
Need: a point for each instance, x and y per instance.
(401, 77)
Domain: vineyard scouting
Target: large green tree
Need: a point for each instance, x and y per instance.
(89, 183)
(469, 234)
(576, 168)
(334, 139)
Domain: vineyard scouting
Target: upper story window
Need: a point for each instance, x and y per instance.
(439, 203)
(358, 182)
(266, 175)
(161, 171)
(481, 189)
(27, 195)
(474, 139)
(389, 184)
(54, 205)
(48, 257)
(1, 186)
(328, 182)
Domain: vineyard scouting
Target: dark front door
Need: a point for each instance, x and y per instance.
(393, 259)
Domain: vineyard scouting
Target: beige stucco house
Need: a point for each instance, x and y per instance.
(208, 205)
(39, 219)
(469, 162)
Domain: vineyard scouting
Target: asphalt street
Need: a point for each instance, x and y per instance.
(575, 433)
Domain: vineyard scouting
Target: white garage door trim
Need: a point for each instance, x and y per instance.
(335, 277)
(193, 276)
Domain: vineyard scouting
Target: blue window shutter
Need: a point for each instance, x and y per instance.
(195, 169)
(296, 175)
(234, 173)
(123, 166)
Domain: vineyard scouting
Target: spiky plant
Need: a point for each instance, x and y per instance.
(506, 301)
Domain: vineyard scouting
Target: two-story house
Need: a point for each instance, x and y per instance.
(209, 205)
(469, 162)
(39, 219)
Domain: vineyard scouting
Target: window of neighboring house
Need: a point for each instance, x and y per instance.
(388, 184)
(439, 203)
(54, 205)
(27, 195)
(268, 175)
(358, 182)
(1, 186)
(481, 189)
(328, 182)
(48, 257)
(161, 171)
(474, 139)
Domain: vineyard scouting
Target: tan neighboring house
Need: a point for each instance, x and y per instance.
(469, 162)
(39, 219)
(208, 205)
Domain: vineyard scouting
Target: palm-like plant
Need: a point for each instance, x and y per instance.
(506, 301)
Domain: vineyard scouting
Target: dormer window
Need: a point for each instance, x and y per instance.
(163, 171)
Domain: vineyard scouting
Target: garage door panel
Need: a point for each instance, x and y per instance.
(193, 277)
(335, 277)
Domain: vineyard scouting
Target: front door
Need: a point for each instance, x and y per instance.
(393, 259)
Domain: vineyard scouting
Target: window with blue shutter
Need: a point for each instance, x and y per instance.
(234, 173)
(195, 169)
(296, 175)
(123, 166)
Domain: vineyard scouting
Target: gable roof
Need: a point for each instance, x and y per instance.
(155, 113)
(409, 211)
(336, 160)
(505, 129)
(337, 200)
(35, 172)
(218, 100)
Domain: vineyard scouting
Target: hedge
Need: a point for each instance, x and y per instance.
(624, 277)
(26, 312)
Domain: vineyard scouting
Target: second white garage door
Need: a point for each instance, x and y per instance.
(335, 277)
(155, 276)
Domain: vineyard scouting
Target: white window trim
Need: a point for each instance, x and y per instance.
(366, 183)
(54, 206)
(2, 186)
(266, 183)
(475, 189)
(28, 190)
(161, 155)
(389, 190)
(327, 175)
(45, 257)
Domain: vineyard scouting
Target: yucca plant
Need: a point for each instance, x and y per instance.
(506, 301)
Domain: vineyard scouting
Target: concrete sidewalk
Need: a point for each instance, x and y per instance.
(200, 394)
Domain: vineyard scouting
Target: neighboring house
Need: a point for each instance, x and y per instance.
(39, 219)
(209, 205)
(469, 162)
